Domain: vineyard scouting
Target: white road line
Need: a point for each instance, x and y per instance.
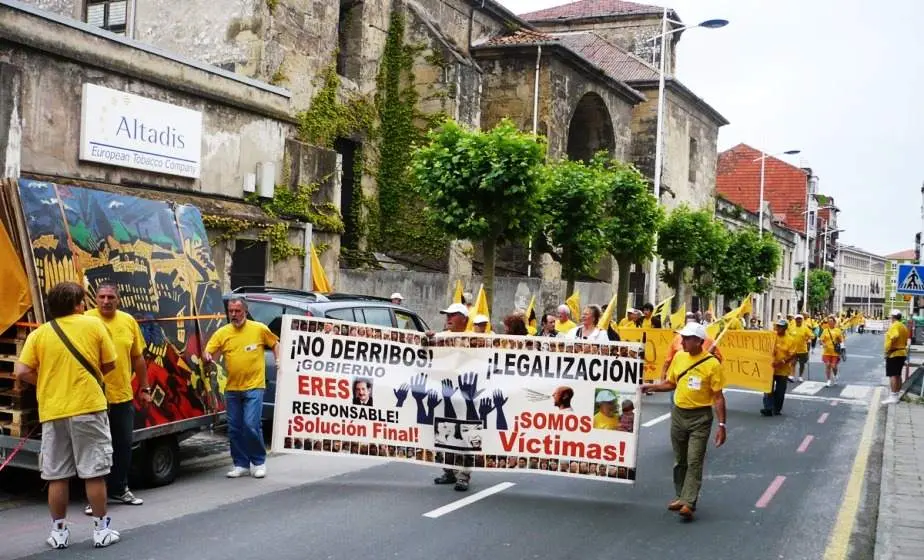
(654, 421)
(808, 388)
(857, 392)
(832, 400)
(451, 507)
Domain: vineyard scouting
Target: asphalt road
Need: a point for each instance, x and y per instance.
(772, 492)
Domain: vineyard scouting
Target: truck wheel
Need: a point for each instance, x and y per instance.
(161, 461)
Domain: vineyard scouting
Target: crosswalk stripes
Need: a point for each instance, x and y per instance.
(818, 388)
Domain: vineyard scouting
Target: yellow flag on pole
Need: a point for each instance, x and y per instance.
(678, 319)
(711, 309)
(457, 296)
(607, 318)
(532, 324)
(319, 281)
(574, 304)
(15, 296)
(480, 308)
(663, 310)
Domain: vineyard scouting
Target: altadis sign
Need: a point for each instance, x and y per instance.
(118, 128)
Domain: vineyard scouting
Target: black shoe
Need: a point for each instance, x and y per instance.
(461, 486)
(446, 478)
(766, 412)
(777, 412)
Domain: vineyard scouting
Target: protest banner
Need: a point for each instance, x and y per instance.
(747, 356)
(486, 402)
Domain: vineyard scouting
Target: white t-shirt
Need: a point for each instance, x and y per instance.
(596, 335)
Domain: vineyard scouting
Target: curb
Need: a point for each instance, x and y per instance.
(882, 536)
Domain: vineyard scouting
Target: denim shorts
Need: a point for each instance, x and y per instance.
(79, 445)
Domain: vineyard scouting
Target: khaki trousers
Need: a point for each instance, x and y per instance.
(690, 429)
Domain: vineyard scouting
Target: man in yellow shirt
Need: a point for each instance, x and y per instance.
(65, 359)
(802, 334)
(564, 324)
(243, 343)
(831, 340)
(649, 319)
(784, 354)
(896, 353)
(697, 380)
(129, 343)
(606, 417)
(631, 320)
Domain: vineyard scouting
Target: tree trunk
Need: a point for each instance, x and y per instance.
(622, 289)
(490, 253)
(569, 289)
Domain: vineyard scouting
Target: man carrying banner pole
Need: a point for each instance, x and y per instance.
(784, 354)
(456, 322)
(696, 377)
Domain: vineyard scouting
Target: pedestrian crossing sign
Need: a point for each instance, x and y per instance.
(911, 279)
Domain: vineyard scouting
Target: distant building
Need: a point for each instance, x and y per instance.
(893, 299)
(861, 282)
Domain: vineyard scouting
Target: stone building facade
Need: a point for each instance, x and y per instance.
(861, 282)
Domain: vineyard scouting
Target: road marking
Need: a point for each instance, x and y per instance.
(856, 392)
(808, 388)
(451, 507)
(822, 418)
(770, 492)
(833, 400)
(805, 443)
(839, 542)
(654, 421)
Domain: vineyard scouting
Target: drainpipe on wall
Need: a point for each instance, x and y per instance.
(529, 265)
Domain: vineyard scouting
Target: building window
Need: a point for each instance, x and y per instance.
(349, 37)
(110, 15)
(694, 158)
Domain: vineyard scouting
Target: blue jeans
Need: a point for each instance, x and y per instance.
(244, 411)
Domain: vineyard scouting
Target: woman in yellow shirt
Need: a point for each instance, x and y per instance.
(831, 340)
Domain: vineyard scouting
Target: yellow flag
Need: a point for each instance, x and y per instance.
(480, 308)
(663, 309)
(15, 296)
(607, 318)
(457, 296)
(747, 306)
(319, 281)
(712, 308)
(532, 324)
(574, 304)
(678, 319)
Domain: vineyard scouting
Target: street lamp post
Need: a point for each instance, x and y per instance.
(659, 134)
(760, 214)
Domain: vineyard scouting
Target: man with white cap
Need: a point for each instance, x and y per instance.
(606, 417)
(456, 322)
(896, 353)
(397, 298)
(784, 354)
(802, 335)
(697, 380)
(480, 324)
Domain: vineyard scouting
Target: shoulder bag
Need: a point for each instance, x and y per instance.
(692, 367)
(77, 355)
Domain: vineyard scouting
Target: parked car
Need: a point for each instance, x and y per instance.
(267, 305)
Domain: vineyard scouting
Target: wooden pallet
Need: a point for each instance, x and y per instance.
(20, 430)
(11, 346)
(20, 398)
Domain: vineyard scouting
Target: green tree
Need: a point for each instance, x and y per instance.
(691, 240)
(632, 218)
(820, 284)
(749, 259)
(481, 186)
(572, 201)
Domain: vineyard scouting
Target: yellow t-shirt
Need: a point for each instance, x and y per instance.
(65, 388)
(828, 338)
(564, 328)
(627, 323)
(242, 349)
(700, 385)
(802, 335)
(129, 343)
(783, 351)
(646, 322)
(604, 422)
(896, 340)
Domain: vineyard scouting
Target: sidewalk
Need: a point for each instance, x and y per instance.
(900, 530)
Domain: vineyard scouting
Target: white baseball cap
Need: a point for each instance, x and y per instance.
(455, 308)
(895, 313)
(396, 295)
(606, 396)
(693, 329)
(479, 320)
(799, 316)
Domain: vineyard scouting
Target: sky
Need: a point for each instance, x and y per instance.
(841, 80)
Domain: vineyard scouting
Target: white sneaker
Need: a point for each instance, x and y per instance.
(834, 380)
(60, 537)
(237, 472)
(103, 534)
(893, 398)
(829, 383)
(258, 471)
(801, 379)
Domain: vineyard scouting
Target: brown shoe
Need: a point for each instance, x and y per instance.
(675, 505)
(686, 512)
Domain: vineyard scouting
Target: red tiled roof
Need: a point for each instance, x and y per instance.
(907, 254)
(591, 9)
(738, 180)
(616, 62)
(521, 37)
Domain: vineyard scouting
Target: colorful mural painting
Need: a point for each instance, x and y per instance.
(158, 254)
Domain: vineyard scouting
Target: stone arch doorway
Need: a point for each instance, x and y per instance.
(591, 129)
